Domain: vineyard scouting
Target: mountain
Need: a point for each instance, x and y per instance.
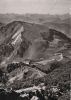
(62, 27)
(61, 23)
(17, 39)
(25, 39)
(34, 53)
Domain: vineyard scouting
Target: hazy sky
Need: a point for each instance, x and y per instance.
(35, 6)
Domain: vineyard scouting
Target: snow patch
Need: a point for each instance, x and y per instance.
(18, 32)
(17, 39)
(17, 36)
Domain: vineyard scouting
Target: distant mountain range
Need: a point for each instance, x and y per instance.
(35, 18)
(59, 22)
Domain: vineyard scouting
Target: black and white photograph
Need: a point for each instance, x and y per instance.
(35, 49)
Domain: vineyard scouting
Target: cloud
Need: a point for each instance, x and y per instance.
(35, 6)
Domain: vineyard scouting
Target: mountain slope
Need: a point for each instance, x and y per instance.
(26, 39)
(18, 36)
(31, 54)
